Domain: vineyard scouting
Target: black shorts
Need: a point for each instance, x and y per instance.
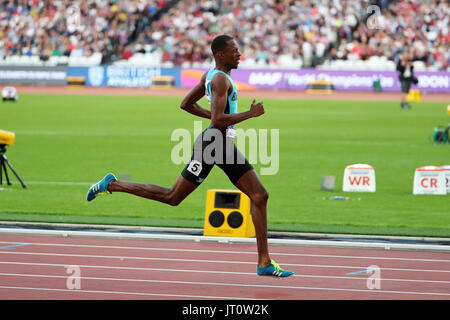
(405, 85)
(213, 147)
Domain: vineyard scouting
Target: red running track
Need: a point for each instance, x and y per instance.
(46, 267)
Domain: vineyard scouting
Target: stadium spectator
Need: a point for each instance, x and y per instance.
(405, 70)
(127, 53)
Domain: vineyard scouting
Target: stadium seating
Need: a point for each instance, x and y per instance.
(373, 64)
(272, 34)
(46, 33)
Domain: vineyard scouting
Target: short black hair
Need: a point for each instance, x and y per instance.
(219, 43)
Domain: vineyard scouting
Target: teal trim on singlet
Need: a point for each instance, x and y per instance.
(232, 97)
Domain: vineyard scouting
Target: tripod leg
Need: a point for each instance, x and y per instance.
(6, 175)
(1, 168)
(15, 173)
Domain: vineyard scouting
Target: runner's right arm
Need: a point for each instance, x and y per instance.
(190, 104)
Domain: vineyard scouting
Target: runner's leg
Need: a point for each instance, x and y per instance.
(251, 185)
(172, 196)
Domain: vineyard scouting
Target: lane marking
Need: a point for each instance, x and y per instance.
(236, 285)
(247, 273)
(125, 293)
(207, 261)
(15, 246)
(272, 241)
(232, 252)
(207, 271)
(357, 272)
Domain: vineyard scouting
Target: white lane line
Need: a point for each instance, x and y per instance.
(63, 183)
(225, 272)
(86, 133)
(272, 241)
(229, 252)
(203, 271)
(207, 261)
(122, 268)
(125, 293)
(265, 286)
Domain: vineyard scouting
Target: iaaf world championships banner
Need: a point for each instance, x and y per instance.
(342, 80)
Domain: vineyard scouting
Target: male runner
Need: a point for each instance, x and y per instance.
(222, 95)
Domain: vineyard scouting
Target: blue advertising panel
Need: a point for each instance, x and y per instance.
(122, 76)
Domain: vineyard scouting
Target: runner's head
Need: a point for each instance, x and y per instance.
(226, 51)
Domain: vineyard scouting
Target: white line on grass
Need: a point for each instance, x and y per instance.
(63, 183)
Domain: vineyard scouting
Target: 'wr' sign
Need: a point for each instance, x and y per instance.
(359, 178)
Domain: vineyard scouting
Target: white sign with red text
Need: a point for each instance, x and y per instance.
(429, 180)
(359, 178)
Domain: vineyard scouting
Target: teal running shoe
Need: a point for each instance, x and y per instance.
(100, 188)
(273, 269)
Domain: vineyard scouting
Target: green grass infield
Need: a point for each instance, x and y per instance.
(64, 143)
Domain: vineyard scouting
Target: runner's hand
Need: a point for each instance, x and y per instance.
(257, 109)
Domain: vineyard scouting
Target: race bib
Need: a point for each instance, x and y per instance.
(195, 167)
(231, 133)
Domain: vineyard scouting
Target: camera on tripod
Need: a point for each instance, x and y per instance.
(7, 138)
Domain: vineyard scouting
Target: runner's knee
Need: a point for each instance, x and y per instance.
(173, 199)
(260, 197)
(175, 202)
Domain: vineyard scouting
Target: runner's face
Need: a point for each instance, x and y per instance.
(232, 54)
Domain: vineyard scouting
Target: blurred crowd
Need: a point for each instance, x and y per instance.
(270, 32)
(73, 28)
